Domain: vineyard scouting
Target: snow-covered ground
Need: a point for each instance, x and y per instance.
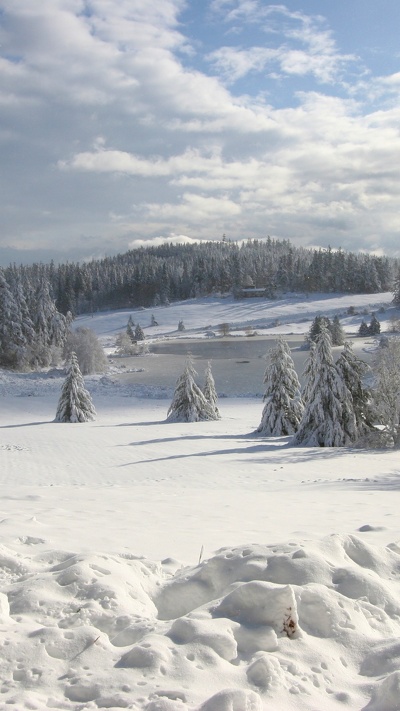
(175, 567)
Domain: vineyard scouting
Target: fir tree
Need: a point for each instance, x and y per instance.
(337, 332)
(210, 392)
(75, 403)
(139, 333)
(284, 407)
(396, 293)
(386, 391)
(364, 329)
(129, 329)
(374, 326)
(353, 372)
(316, 327)
(50, 326)
(328, 419)
(12, 340)
(189, 403)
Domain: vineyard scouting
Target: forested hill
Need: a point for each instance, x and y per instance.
(153, 275)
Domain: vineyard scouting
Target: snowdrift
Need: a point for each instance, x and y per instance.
(297, 626)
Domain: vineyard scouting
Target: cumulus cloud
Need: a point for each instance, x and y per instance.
(120, 124)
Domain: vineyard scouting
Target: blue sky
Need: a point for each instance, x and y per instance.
(125, 122)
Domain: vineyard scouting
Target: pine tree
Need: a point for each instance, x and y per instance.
(353, 371)
(12, 341)
(374, 326)
(396, 293)
(139, 333)
(189, 403)
(50, 326)
(317, 325)
(308, 373)
(210, 392)
(328, 419)
(337, 332)
(284, 407)
(363, 329)
(386, 391)
(75, 403)
(129, 329)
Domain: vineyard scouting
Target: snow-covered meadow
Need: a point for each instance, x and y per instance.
(183, 566)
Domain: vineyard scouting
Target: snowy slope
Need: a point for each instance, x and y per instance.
(174, 567)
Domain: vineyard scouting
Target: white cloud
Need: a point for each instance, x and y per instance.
(159, 241)
(318, 57)
(110, 134)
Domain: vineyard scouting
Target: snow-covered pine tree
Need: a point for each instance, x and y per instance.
(317, 325)
(210, 392)
(308, 374)
(14, 338)
(328, 419)
(337, 332)
(189, 403)
(353, 371)
(396, 293)
(363, 329)
(129, 329)
(139, 333)
(374, 327)
(75, 403)
(50, 325)
(386, 392)
(283, 407)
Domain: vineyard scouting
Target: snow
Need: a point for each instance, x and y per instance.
(194, 566)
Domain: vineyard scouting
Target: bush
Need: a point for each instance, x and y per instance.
(89, 352)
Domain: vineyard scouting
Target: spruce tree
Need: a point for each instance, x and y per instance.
(129, 329)
(210, 392)
(75, 403)
(386, 392)
(363, 329)
(337, 332)
(12, 340)
(283, 407)
(317, 325)
(374, 326)
(396, 293)
(189, 403)
(353, 371)
(139, 333)
(50, 326)
(328, 419)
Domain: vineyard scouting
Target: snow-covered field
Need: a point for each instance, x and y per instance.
(175, 567)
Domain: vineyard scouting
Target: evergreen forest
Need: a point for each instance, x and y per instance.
(150, 276)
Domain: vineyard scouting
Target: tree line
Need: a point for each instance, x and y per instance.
(150, 276)
(39, 301)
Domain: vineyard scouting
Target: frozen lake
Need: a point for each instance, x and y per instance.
(238, 362)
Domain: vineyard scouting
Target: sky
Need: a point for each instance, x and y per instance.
(125, 123)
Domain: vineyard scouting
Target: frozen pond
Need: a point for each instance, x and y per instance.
(238, 363)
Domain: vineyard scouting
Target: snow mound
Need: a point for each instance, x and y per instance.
(293, 626)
